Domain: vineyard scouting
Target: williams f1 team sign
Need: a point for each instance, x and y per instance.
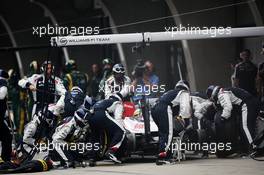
(168, 35)
(96, 39)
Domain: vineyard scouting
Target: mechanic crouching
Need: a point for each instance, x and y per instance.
(162, 114)
(237, 109)
(70, 130)
(104, 119)
(69, 103)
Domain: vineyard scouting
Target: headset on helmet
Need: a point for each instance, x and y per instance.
(118, 68)
(183, 84)
(44, 66)
(13, 77)
(212, 92)
(76, 89)
(70, 65)
(117, 96)
(34, 66)
(3, 74)
(81, 117)
(107, 61)
(11, 72)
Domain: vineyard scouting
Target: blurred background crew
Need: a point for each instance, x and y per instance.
(74, 77)
(34, 68)
(260, 78)
(14, 96)
(260, 84)
(96, 77)
(107, 72)
(150, 78)
(138, 83)
(145, 80)
(233, 66)
(246, 73)
(5, 136)
(22, 96)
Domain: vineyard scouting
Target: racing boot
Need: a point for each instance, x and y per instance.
(68, 164)
(163, 159)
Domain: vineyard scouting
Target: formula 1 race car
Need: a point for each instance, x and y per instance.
(142, 132)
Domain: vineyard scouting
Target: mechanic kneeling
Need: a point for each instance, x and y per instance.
(69, 131)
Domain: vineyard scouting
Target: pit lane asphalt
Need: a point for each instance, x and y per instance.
(210, 166)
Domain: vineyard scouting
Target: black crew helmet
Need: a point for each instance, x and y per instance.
(81, 117)
(212, 92)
